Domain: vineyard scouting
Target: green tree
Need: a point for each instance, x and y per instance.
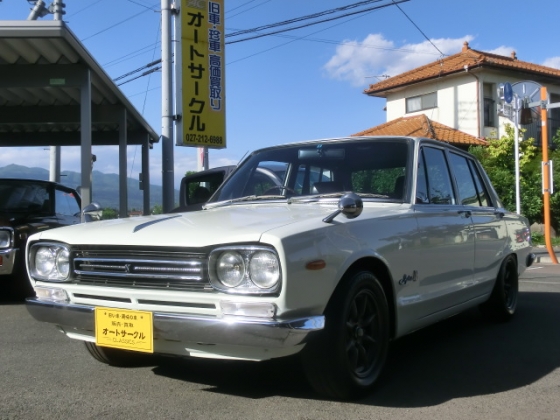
(109, 213)
(498, 159)
(157, 209)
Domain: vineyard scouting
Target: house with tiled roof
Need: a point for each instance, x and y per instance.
(455, 99)
(422, 126)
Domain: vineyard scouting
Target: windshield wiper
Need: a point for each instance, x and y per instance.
(315, 197)
(242, 199)
(371, 195)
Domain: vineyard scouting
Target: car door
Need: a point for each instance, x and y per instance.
(444, 248)
(489, 228)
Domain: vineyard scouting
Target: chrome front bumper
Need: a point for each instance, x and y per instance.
(250, 332)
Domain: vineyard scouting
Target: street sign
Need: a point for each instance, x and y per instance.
(508, 92)
(202, 75)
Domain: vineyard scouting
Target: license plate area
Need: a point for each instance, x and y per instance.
(124, 329)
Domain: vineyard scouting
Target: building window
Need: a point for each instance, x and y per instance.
(489, 105)
(554, 114)
(418, 103)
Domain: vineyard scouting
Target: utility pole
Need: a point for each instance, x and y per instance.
(546, 174)
(38, 11)
(167, 164)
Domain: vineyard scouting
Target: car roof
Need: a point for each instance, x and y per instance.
(36, 181)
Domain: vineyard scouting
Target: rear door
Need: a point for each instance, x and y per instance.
(445, 245)
(489, 226)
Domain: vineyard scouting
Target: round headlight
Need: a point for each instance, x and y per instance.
(44, 261)
(63, 262)
(5, 238)
(264, 269)
(230, 269)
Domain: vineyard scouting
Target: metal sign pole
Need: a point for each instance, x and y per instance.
(516, 143)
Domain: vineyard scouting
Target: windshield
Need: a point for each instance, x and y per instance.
(372, 168)
(22, 196)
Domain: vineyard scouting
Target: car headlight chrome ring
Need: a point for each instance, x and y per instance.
(230, 269)
(49, 262)
(245, 269)
(6, 238)
(264, 269)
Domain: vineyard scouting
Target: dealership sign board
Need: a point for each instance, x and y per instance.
(202, 74)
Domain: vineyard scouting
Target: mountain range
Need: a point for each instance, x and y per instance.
(105, 187)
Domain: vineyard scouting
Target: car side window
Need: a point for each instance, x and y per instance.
(481, 190)
(66, 203)
(465, 182)
(421, 183)
(439, 186)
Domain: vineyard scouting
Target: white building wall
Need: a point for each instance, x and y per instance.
(456, 103)
(460, 102)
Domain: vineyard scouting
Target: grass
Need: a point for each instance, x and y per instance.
(538, 239)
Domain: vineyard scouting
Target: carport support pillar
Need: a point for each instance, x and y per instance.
(54, 169)
(85, 138)
(123, 190)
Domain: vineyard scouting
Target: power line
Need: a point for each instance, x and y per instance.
(246, 10)
(115, 25)
(306, 17)
(306, 37)
(130, 73)
(420, 30)
(275, 33)
(130, 55)
(309, 24)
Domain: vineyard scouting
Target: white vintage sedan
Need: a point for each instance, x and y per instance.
(329, 248)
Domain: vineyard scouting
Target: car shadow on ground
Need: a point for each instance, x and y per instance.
(461, 357)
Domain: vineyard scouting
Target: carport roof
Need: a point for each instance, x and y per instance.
(42, 66)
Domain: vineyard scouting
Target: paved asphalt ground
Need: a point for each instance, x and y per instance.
(461, 368)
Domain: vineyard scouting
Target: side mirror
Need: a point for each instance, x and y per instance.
(350, 205)
(92, 212)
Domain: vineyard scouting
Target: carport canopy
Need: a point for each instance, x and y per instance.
(53, 93)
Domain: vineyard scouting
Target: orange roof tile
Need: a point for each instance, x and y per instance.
(422, 126)
(466, 59)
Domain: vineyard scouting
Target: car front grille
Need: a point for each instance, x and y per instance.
(141, 268)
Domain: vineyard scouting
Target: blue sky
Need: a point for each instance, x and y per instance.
(299, 85)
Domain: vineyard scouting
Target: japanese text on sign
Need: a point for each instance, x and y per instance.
(203, 78)
(124, 329)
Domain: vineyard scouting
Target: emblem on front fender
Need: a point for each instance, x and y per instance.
(408, 278)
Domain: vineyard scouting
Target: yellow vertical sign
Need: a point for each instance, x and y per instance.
(203, 73)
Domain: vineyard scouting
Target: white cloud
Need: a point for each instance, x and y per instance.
(502, 50)
(360, 61)
(552, 62)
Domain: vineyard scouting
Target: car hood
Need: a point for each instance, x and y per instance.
(18, 219)
(237, 223)
(13, 219)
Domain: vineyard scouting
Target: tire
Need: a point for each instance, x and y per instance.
(116, 357)
(501, 305)
(347, 357)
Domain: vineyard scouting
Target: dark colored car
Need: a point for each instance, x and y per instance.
(197, 188)
(28, 206)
